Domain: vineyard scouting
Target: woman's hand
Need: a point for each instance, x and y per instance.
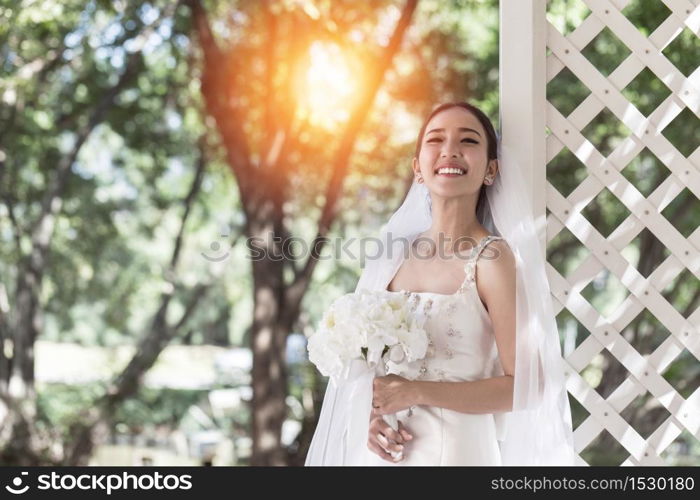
(382, 439)
(392, 394)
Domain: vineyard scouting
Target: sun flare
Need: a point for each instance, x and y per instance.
(327, 86)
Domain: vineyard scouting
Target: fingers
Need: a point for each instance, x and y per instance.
(389, 445)
(379, 425)
(392, 434)
(405, 433)
(375, 448)
(382, 443)
(379, 444)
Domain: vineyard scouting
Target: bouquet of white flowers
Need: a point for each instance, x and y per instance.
(371, 326)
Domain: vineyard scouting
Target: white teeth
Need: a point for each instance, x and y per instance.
(450, 171)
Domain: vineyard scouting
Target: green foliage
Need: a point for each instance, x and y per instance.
(122, 201)
(60, 405)
(154, 407)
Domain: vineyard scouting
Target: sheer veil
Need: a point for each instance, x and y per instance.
(538, 431)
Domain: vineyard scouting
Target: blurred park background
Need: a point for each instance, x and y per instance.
(143, 143)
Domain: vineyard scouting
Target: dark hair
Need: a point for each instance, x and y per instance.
(491, 137)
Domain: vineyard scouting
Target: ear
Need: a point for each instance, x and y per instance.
(492, 169)
(416, 166)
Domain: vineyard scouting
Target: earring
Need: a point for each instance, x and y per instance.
(419, 179)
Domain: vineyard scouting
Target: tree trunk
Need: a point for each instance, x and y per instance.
(268, 342)
(263, 192)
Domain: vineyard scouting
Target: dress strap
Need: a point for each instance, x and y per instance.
(470, 265)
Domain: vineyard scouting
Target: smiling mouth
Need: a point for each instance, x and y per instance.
(450, 171)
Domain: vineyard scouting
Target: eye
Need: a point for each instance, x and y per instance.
(470, 140)
(434, 140)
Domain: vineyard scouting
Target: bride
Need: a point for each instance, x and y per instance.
(490, 390)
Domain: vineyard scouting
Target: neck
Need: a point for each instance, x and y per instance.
(455, 222)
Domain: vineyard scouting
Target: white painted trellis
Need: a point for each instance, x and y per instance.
(525, 71)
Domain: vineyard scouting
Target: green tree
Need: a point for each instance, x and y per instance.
(76, 73)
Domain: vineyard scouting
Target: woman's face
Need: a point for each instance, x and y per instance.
(454, 138)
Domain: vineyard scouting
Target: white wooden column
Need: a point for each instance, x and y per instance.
(522, 97)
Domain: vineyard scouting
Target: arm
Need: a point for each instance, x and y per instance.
(489, 395)
(496, 286)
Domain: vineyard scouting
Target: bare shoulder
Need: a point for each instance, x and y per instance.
(497, 256)
(496, 270)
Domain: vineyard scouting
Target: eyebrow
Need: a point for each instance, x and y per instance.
(461, 129)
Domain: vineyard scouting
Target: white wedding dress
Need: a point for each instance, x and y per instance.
(461, 348)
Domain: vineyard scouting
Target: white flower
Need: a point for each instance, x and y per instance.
(365, 325)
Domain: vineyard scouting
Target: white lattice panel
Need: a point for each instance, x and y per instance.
(643, 372)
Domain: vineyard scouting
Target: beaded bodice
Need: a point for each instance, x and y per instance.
(461, 344)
